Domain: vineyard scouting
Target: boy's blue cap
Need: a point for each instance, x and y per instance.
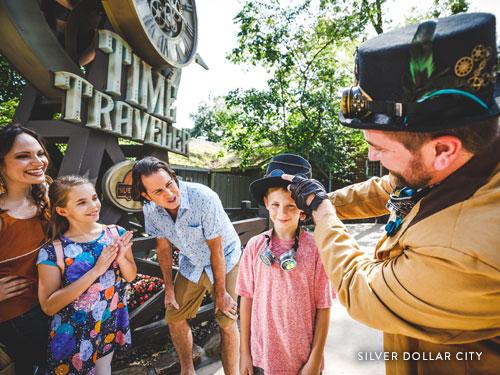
(279, 165)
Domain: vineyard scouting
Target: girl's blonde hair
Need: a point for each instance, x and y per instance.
(58, 196)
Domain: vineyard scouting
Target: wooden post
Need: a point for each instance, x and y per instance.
(245, 208)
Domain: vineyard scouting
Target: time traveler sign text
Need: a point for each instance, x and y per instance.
(146, 112)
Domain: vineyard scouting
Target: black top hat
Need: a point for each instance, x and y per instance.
(279, 165)
(433, 76)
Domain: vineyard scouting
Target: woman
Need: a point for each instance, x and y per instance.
(23, 222)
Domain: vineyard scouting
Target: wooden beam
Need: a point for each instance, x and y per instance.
(110, 214)
(142, 245)
(25, 107)
(145, 312)
(73, 159)
(56, 128)
(113, 150)
(92, 156)
(150, 268)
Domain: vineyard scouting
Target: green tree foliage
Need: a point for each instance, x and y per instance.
(7, 110)
(439, 8)
(206, 122)
(309, 52)
(443, 8)
(11, 87)
(11, 83)
(308, 47)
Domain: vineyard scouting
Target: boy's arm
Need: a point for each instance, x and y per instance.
(313, 364)
(246, 362)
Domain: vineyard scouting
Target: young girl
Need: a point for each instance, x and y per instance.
(285, 293)
(82, 274)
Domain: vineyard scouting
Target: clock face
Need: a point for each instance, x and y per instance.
(163, 32)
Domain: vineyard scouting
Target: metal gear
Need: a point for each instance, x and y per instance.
(480, 52)
(464, 66)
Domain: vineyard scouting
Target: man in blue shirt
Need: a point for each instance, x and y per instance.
(191, 217)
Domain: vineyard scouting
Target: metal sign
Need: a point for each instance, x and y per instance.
(146, 113)
(99, 72)
(143, 77)
(117, 187)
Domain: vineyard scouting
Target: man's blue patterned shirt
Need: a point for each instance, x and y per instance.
(201, 217)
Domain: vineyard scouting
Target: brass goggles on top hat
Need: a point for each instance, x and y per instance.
(355, 103)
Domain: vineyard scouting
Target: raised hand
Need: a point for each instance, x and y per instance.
(124, 243)
(12, 286)
(108, 255)
(307, 193)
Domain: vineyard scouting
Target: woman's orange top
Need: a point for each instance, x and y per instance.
(19, 242)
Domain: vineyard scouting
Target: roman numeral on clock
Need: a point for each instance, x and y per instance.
(187, 7)
(189, 28)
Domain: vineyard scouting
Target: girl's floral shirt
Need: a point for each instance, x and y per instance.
(96, 323)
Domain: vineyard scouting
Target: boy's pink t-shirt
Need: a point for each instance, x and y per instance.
(283, 303)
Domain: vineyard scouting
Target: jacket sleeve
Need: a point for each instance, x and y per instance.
(420, 293)
(363, 200)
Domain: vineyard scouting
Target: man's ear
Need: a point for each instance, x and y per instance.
(61, 211)
(447, 149)
(266, 202)
(145, 196)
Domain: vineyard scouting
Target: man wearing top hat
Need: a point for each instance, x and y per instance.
(425, 98)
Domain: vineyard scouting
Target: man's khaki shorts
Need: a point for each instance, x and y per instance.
(189, 296)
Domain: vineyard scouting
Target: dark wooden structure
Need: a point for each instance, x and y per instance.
(231, 184)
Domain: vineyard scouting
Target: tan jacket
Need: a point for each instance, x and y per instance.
(435, 285)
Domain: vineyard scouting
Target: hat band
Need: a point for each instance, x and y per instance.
(454, 92)
(357, 104)
(275, 173)
(291, 164)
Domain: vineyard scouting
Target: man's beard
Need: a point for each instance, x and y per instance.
(418, 178)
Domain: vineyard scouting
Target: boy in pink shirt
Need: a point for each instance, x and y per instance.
(285, 293)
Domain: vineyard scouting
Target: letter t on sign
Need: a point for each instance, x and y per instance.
(75, 86)
(120, 54)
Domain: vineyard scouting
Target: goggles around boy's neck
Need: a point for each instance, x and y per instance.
(286, 260)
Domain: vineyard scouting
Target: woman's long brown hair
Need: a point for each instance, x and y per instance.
(8, 135)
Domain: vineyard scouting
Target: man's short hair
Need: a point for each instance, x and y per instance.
(475, 138)
(146, 167)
